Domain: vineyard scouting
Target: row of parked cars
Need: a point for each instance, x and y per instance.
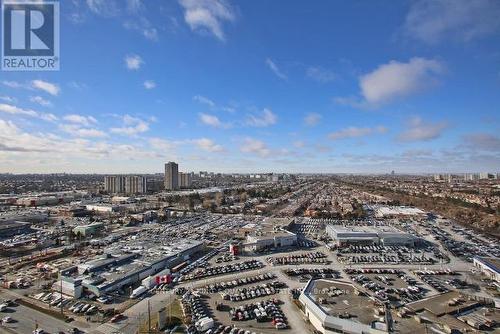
(221, 270)
(221, 329)
(312, 257)
(387, 258)
(55, 299)
(262, 311)
(367, 249)
(226, 258)
(202, 262)
(251, 292)
(308, 273)
(434, 283)
(83, 308)
(220, 286)
(385, 292)
(193, 307)
(354, 271)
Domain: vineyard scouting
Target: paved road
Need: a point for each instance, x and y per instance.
(27, 319)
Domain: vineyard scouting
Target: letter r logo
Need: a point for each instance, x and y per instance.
(19, 25)
(28, 29)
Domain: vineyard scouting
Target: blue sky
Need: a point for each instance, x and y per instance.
(261, 86)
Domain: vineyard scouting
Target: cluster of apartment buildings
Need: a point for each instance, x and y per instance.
(174, 179)
(466, 177)
(138, 184)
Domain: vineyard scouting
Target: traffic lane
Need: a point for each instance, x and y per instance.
(26, 320)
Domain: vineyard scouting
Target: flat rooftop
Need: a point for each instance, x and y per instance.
(490, 262)
(337, 298)
(445, 303)
(364, 229)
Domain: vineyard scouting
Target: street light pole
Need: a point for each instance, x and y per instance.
(61, 291)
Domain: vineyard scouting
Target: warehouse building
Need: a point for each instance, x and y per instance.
(272, 233)
(489, 267)
(369, 235)
(113, 271)
(89, 229)
(13, 228)
(265, 240)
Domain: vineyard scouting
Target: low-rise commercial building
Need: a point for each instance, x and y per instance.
(272, 233)
(338, 307)
(369, 235)
(489, 267)
(89, 229)
(102, 208)
(12, 228)
(113, 271)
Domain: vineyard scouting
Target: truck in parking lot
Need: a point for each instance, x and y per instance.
(138, 292)
(204, 324)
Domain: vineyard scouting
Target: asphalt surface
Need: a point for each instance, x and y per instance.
(26, 320)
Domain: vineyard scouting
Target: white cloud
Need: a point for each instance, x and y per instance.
(432, 21)
(266, 118)
(132, 126)
(80, 119)
(77, 131)
(208, 145)
(105, 8)
(13, 84)
(134, 5)
(204, 100)
(14, 110)
(7, 99)
(46, 86)
(24, 146)
(150, 33)
(356, 132)
(274, 68)
(299, 144)
(142, 25)
(418, 130)
(212, 120)
(254, 146)
(312, 119)
(207, 15)
(162, 144)
(396, 79)
(482, 141)
(133, 62)
(149, 84)
(320, 74)
(77, 85)
(41, 101)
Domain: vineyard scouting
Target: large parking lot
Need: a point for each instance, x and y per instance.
(384, 254)
(395, 286)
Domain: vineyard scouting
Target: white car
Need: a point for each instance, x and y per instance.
(6, 320)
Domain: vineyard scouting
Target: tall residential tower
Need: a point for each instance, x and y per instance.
(171, 176)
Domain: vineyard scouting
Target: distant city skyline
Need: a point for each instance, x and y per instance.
(261, 86)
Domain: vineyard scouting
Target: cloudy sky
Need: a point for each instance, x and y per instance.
(268, 86)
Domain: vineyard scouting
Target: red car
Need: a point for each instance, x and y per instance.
(117, 318)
